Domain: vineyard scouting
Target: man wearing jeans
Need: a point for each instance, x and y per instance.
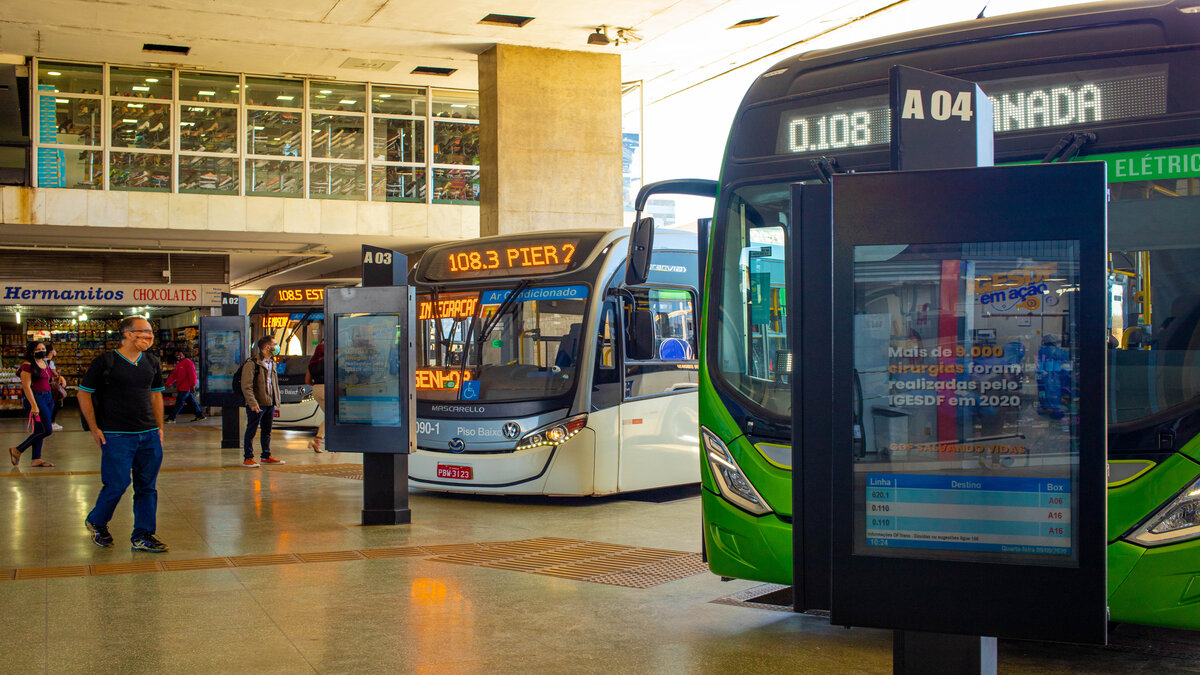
(121, 399)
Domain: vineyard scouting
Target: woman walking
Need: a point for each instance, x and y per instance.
(315, 376)
(36, 376)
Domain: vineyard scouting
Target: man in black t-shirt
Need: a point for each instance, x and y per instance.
(121, 399)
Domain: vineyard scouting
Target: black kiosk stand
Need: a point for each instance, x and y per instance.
(369, 400)
(941, 502)
(224, 343)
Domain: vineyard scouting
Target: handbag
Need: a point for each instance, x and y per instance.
(57, 391)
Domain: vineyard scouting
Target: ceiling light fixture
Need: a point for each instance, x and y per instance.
(600, 37)
(206, 93)
(55, 73)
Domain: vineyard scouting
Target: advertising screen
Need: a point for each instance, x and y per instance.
(223, 354)
(368, 369)
(966, 408)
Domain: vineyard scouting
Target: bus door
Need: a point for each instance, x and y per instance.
(659, 420)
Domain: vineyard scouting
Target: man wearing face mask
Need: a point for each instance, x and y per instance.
(121, 399)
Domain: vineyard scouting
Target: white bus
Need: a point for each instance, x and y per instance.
(539, 371)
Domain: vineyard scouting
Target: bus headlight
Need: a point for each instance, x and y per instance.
(552, 434)
(1179, 519)
(730, 479)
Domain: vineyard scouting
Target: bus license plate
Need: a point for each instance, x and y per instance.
(456, 471)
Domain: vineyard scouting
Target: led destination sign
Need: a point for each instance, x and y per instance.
(1020, 104)
(459, 307)
(522, 257)
(299, 295)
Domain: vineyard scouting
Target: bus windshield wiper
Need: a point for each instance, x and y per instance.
(491, 323)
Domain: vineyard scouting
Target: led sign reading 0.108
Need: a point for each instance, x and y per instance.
(1019, 104)
(518, 258)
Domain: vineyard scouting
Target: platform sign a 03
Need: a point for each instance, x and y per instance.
(967, 355)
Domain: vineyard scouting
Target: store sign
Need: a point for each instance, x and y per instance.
(155, 295)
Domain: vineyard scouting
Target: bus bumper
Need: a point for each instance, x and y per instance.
(742, 546)
(306, 413)
(1155, 586)
(566, 469)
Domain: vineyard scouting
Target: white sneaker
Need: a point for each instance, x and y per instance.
(56, 427)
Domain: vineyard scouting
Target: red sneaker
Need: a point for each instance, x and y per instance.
(249, 461)
(270, 460)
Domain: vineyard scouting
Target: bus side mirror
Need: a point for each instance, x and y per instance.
(639, 338)
(637, 264)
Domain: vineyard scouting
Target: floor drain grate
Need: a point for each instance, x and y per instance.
(596, 562)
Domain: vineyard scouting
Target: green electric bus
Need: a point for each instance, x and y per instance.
(1114, 81)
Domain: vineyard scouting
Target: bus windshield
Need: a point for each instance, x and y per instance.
(474, 346)
(1154, 296)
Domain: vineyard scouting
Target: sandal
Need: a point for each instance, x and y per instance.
(315, 444)
(15, 454)
(43, 463)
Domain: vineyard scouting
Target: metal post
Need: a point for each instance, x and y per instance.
(917, 653)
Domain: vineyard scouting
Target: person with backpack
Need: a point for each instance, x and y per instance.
(260, 390)
(121, 401)
(315, 377)
(36, 377)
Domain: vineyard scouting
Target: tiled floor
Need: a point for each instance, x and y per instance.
(411, 614)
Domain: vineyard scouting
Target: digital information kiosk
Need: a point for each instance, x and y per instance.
(224, 345)
(975, 301)
(370, 405)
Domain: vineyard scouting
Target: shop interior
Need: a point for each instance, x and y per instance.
(79, 333)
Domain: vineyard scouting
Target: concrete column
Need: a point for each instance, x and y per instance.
(549, 140)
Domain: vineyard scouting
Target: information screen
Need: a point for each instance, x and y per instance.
(513, 258)
(1019, 104)
(966, 420)
(223, 352)
(368, 369)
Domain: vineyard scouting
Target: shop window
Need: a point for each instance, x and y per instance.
(397, 184)
(209, 88)
(68, 168)
(141, 171)
(329, 180)
(338, 137)
(275, 178)
(139, 83)
(70, 121)
(277, 93)
(398, 100)
(272, 132)
(341, 97)
(207, 129)
(208, 175)
(398, 140)
(70, 78)
(455, 104)
(455, 143)
(455, 185)
(145, 126)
